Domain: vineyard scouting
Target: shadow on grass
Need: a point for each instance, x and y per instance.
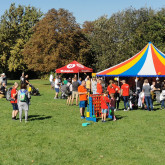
(47, 84)
(38, 117)
(118, 117)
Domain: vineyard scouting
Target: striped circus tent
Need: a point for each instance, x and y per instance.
(149, 62)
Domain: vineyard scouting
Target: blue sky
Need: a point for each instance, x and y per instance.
(85, 10)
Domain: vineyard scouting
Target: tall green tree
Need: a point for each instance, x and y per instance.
(15, 30)
(125, 33)
(57, 40)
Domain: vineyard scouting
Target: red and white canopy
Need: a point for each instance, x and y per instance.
(74, 67)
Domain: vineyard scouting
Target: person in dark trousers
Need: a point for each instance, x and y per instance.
(75, 86)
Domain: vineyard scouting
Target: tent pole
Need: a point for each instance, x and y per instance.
(118, 80)
(78, 75)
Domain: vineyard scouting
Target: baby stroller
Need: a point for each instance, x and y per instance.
(133, 100)
(33, 91)
(64, 91)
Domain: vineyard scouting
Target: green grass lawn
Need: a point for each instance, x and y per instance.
(54, 135)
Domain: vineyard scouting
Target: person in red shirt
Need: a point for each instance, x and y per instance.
(125, 94)
(99, 87)
(104, 105)
(117, 96)
(14, 101)
(111, 87)
(83, 98)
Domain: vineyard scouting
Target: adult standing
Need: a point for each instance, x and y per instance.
(83, 98)
(22, 78)
(117, 95)
(139, 85)
(69, 99)
(13, 101)
(23, 102)
(27, 80)
(158, 86)
(87, 78)
(125, 93)
(152, 90)
(99, 87)
(60, 80)
(57, 87)
(4, 79)
(51, 80)
(111, 87)
(80, 80)
(65, 81)
(147, 94)
(94, 85)
(88, 85)
(75, 86)
(3, 90)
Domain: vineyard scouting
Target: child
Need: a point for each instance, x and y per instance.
(104, 105)
(23, 102)
(13, 101)
(112, 105)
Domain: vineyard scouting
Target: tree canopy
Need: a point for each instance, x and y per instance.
(125, 33)
(57, 40)
(35, 42)
(15, 30)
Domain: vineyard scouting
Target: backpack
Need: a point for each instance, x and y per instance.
(8, 95)
(23, 96)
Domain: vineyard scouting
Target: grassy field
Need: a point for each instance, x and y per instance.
(54, 135)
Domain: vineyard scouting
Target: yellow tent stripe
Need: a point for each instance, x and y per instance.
(159, 56)
(129, 65)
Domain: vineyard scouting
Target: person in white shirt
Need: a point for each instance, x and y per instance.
(51, 80)
(57, 87)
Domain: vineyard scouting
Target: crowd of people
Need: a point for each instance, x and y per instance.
(135, 93)
(139, 94)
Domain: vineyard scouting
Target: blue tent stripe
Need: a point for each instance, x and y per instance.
(137, 67)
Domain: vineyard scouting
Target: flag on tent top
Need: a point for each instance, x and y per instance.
(149, 62)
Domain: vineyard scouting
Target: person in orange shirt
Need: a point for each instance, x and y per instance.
(83, 98)
(125, 94)
(111, 87)
(99, 87)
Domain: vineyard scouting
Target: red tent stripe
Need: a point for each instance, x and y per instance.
(159, 67)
